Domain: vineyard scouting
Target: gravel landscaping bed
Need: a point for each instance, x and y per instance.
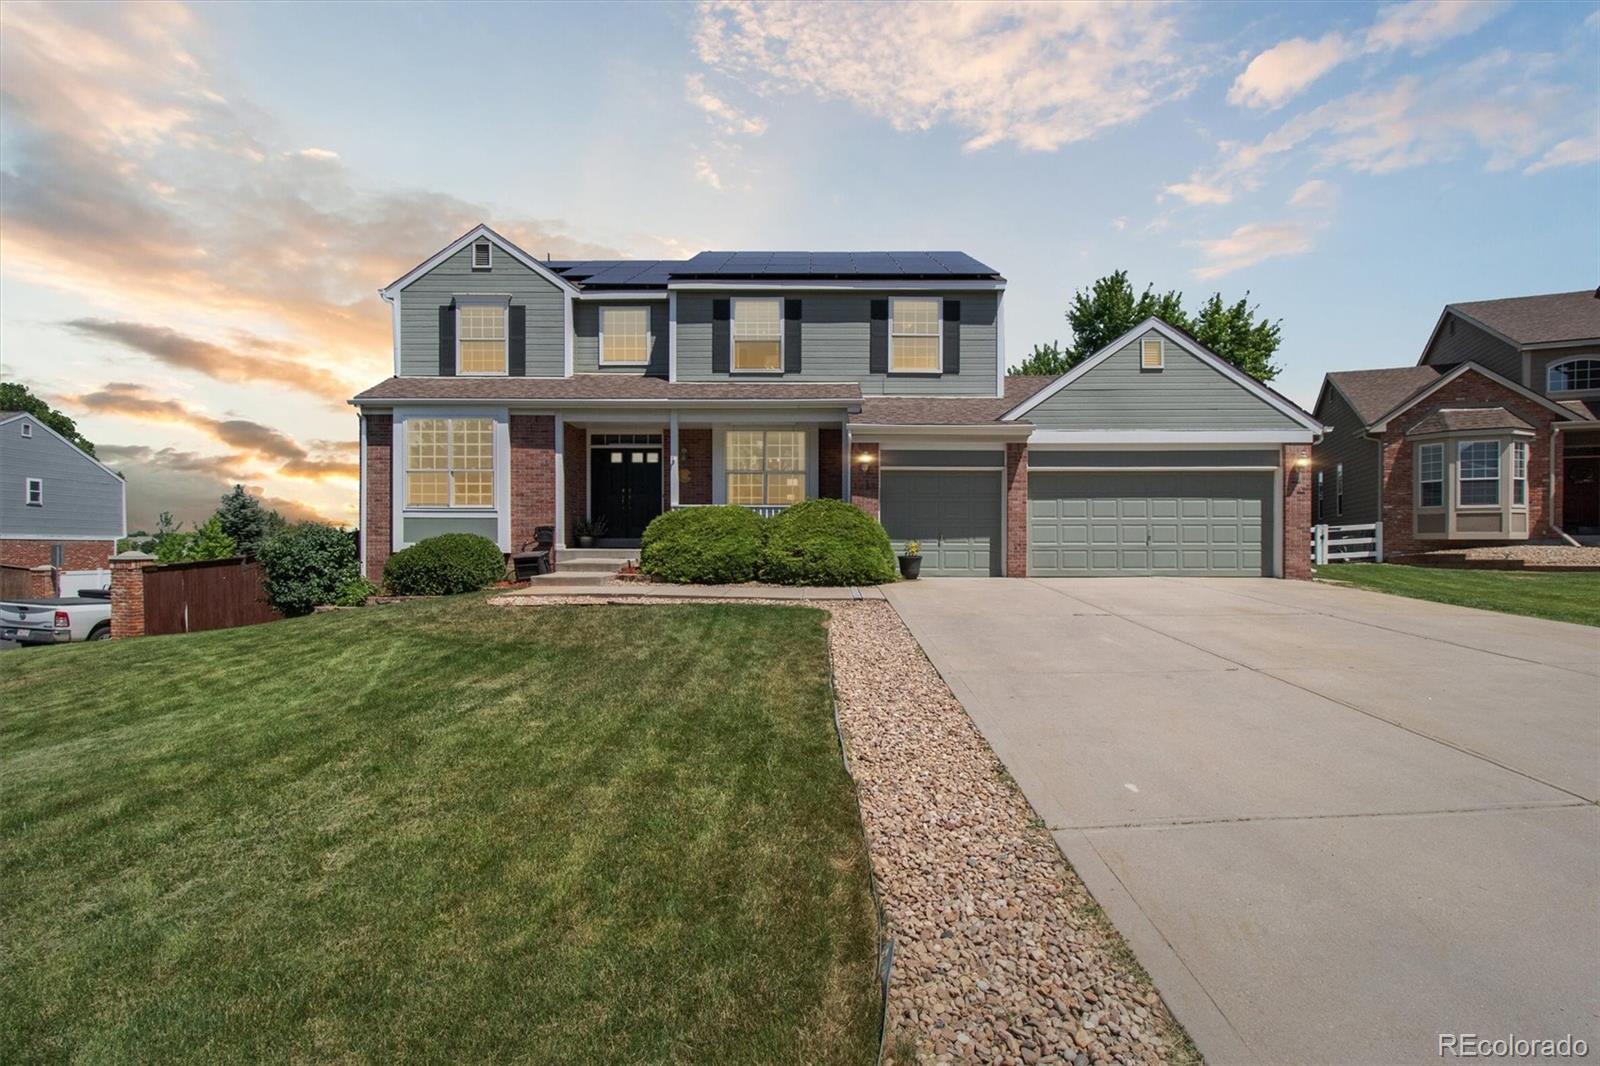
(1530, 555)
(1001, 955)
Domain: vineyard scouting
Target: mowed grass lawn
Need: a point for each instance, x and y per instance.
(1566, 597)
(436, 831)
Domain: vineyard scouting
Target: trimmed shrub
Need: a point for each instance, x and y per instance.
(306, 566)
(444, 565)
(703, 546)
(826, 542)
(355, 593)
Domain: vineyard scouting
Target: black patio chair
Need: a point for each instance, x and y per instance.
(536, 556)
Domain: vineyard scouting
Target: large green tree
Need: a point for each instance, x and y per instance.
(15, 397)
(244, 519)
(1109, 308)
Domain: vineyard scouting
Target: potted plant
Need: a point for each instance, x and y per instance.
(911, 560)
(587, 529)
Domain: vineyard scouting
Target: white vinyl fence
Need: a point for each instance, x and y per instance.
(75, 581)
(1344, 544)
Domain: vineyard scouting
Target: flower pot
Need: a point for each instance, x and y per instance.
(585, 542)
(910, 566)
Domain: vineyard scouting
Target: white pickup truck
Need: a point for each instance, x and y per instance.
(57, 619)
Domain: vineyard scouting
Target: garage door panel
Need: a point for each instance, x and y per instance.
(1140, 523)
(956, 516)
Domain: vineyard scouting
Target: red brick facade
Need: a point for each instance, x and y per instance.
(533, 476)
(864, 478)
(1016, 509)
(1297, 493)
(694, 466)
(77, 554)
(830, 478)
(127, 594)
(1471, 389)
(575, 473)
(378, 536)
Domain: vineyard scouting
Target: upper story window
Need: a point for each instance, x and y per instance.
(1574, 375)
(1430, 475)
(914, 336)
(1152, 354)
(624, 336)
(482, 255)
(27, 429)
(449, 462)
(34, 492)
(766, 466)
(758, 335)
(481, 337)
(1478, 473)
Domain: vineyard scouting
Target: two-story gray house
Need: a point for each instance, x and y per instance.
(532, 393)
(59, 506)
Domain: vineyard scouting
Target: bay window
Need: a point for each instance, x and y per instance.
(1478, 473)
(480, 337)
(766, 466)
(758, 335)
(1430, 475)
(914, 336)
(449, 462)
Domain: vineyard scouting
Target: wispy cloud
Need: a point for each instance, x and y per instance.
(721, 114)
(706, 174)
(1572, 152)
(191, 485)
(1035, 75)
(1286, 68)
(1252, 243)
(1314, 195)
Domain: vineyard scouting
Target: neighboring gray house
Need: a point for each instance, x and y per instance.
(58, 505)
(532, 393)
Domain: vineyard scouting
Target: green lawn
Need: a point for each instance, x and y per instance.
(1573, 597)
(435, 831)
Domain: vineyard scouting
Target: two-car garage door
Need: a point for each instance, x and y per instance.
(1119, 523)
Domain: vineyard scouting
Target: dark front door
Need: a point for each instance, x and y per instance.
(1580, 481)
(624, 489)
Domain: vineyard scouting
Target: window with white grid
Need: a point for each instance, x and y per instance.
(914, 336)
(449, 462)
(1478, 473)
(1519, 472)
(766, 466)
(758, 335)
(624, 336)
(481, 338)
(1430, 475)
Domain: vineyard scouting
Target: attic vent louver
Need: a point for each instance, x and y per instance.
(482, 255)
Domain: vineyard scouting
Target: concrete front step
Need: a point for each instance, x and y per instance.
(588, 566)
(564, 577)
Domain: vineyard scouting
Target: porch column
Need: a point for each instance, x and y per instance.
(672, 461)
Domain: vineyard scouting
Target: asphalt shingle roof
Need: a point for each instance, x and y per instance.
(1558, 316)
(1374, 393)
(1453, 419)
(948, 410)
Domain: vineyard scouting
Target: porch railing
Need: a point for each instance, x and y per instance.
(1339, 544)
(765, 510)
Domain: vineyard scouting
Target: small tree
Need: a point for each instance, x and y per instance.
(249, 523)
(206, 542)
(306, 566)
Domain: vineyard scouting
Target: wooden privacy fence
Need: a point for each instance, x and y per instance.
(16, 582)
(193, 597)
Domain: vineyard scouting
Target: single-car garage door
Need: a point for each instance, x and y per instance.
(956, 516)
(1217, 525)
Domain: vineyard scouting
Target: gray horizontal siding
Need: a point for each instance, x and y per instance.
(1539, 366)
(834, 342)
(1043, 458)
(942, 457)
(81, 499)
(1186, 395)
(1467, 343)
(420, 302)
(586, 340)
(1346, 443)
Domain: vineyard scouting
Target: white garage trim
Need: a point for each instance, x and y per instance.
(1167, 438)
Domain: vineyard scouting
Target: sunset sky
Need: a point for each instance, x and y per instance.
(200, 202)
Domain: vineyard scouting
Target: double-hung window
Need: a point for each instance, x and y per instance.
(33, 492)
(449, 462)
(914, 336)
(1430, 475)
(1519, 473)
(766, 466)
(480, 337)
(1478, 473)
(758, 335)
(624, 336)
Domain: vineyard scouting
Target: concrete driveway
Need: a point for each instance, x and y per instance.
(1332, 824)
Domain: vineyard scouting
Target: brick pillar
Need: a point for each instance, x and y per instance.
(694, 465)
(1017, 509)
(379, 534)
(864, 478)
(127, 593)
(575, 469)
(1297, 490)
(42, 582)
(830, 479)
(533, 476)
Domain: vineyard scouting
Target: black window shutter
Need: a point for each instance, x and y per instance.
(447, 340)
(952, 336)
(721, 340)
(517, 340)
(791, 336)
(878, 338)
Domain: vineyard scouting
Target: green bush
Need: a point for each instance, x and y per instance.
(826, 542)
(703, 546)
(444, 565)
(355, 593)
(307, 565)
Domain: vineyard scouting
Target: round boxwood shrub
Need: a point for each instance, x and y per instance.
(826, 542)
(443, 565)
(306, 566)
(703, 546)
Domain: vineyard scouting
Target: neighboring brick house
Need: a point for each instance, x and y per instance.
(59, 506)
(531, 393)
(1490, 438)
